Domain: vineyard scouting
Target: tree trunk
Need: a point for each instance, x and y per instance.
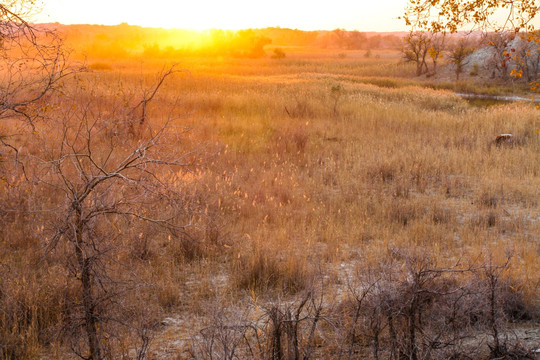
(276, 336)
(493, 311)
(85, 267)
(376, 345)
(393, 338)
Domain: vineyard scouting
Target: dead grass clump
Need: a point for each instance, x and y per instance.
(300, 138)
(514, 303)
(100, 66)
(194, 243)
(442, 215)
(141, 247)
(484, 220)
(168, 295)
(266, 270)
(290, 140)
(186, 247)
(299, 109)
(489, 199)
(402, 212)
(33, 307)
(454, 186)
(383, 172)
(402, 188)
(491, 219)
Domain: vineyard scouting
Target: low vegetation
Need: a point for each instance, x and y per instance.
(319, 206)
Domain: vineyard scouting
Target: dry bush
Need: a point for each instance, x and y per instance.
(442, 215)
(291, 329)
(228, 336)
(284, 330)
(411, 308)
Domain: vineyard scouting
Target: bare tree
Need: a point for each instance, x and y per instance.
(415, 49)
(458, 55)
(100, 189)
(32, 63)
(437, 44)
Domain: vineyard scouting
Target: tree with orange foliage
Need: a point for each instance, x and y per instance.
(454, 15)
(505, 18)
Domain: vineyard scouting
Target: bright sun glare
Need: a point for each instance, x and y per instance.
(361, 15)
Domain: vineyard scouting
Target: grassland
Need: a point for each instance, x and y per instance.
(312, 169)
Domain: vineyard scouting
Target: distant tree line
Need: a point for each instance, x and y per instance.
(127, 40)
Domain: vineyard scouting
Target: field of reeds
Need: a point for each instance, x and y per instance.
(319, 205)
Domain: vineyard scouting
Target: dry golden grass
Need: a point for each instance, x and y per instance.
(292, 188)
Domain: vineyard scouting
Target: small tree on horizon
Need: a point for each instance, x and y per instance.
(458, 55)
(415, 49)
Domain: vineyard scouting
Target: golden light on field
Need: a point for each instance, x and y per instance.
(235, 14)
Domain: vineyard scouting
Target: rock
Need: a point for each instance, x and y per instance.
(504, 139)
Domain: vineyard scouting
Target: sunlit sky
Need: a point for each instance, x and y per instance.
(363, 15)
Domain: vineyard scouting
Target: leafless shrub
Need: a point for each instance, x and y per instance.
(419, 310)
(359, 319)
(407, 307)
(514, 305)
(291, 328)
(227, 337)
(286, 330)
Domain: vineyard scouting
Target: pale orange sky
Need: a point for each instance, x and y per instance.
(363, 15)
